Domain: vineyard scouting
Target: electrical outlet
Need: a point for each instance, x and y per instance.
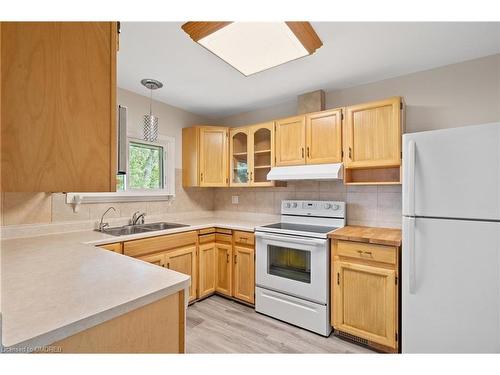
(235, 199)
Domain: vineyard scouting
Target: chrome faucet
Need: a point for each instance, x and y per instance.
(102, 225)
(137, 218)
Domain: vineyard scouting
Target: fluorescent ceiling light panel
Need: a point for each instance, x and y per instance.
(252, 47)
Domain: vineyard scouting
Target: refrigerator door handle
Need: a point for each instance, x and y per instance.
(412, 272)
(410, 179)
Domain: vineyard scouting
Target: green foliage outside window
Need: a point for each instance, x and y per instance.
(145, 169)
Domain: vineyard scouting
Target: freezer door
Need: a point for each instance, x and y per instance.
(450, 286)
(452, 173)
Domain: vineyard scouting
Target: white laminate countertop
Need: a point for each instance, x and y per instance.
(54, 286)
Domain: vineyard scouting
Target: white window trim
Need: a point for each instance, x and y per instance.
(135, 195)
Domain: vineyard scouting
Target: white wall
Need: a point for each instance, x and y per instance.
(171, 119)
(461, 94)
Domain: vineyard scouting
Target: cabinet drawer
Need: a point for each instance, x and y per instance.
(225, 231)
(206, 231)
(245, 238)
(359, 250)
(206, 238)
(160, 243)
(223, 238)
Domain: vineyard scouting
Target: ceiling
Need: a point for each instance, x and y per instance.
(352, 54)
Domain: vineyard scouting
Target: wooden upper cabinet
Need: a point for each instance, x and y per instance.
(58, 113)
(365, 300)
(324, 137)
(372, 134)
(261, 153)
(314, 138)
(205, 156)
(291, 141)
(251, 152)
(213, 156)
(239, 147)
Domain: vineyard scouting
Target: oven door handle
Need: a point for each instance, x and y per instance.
(293, 239)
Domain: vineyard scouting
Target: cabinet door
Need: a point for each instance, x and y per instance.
(157, 259)
(206, 270)
(116, 247)
(324, 137)
(364, 299)
(223, 268)
(58, 106)
(261, 153)
(183, 260)
(240, 158)
(291, 141)
(373, 134)
(213, 156)
(244, 274)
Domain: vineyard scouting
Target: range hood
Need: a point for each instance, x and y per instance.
(307, 172)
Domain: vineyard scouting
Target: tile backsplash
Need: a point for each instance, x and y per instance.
(43, 208)
(366, 205)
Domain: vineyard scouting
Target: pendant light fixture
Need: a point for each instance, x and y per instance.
(150, 124)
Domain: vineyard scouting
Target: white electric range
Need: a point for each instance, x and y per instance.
(293, 264)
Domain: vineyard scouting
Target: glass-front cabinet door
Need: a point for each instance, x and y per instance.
(262, 149)
(239, 157)
(252, 154)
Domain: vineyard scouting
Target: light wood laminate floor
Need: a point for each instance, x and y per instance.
(219, 325)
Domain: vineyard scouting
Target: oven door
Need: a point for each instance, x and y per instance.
(293, 265)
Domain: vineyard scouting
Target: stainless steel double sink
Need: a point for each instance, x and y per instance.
(140, 228)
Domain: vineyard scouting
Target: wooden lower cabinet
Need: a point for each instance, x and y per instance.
(218, 260)
(156, 259)
(116, 247)
(365, 302)
(158, 327)
(183, 260)
(223, 284)
(365, 293)
(244, 273)
(206, 270)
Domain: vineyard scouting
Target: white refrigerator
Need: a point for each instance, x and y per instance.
(451, 241)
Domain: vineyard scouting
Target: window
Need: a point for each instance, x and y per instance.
(145, 167)
(150, 175)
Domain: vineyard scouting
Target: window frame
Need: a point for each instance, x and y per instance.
(164, 173)
(137, 195)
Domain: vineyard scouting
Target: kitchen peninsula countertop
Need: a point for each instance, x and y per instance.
(56, 285)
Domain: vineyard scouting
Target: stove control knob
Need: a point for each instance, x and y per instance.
(287, 205)
(335, 207)
(294, 205)
(327, 206)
